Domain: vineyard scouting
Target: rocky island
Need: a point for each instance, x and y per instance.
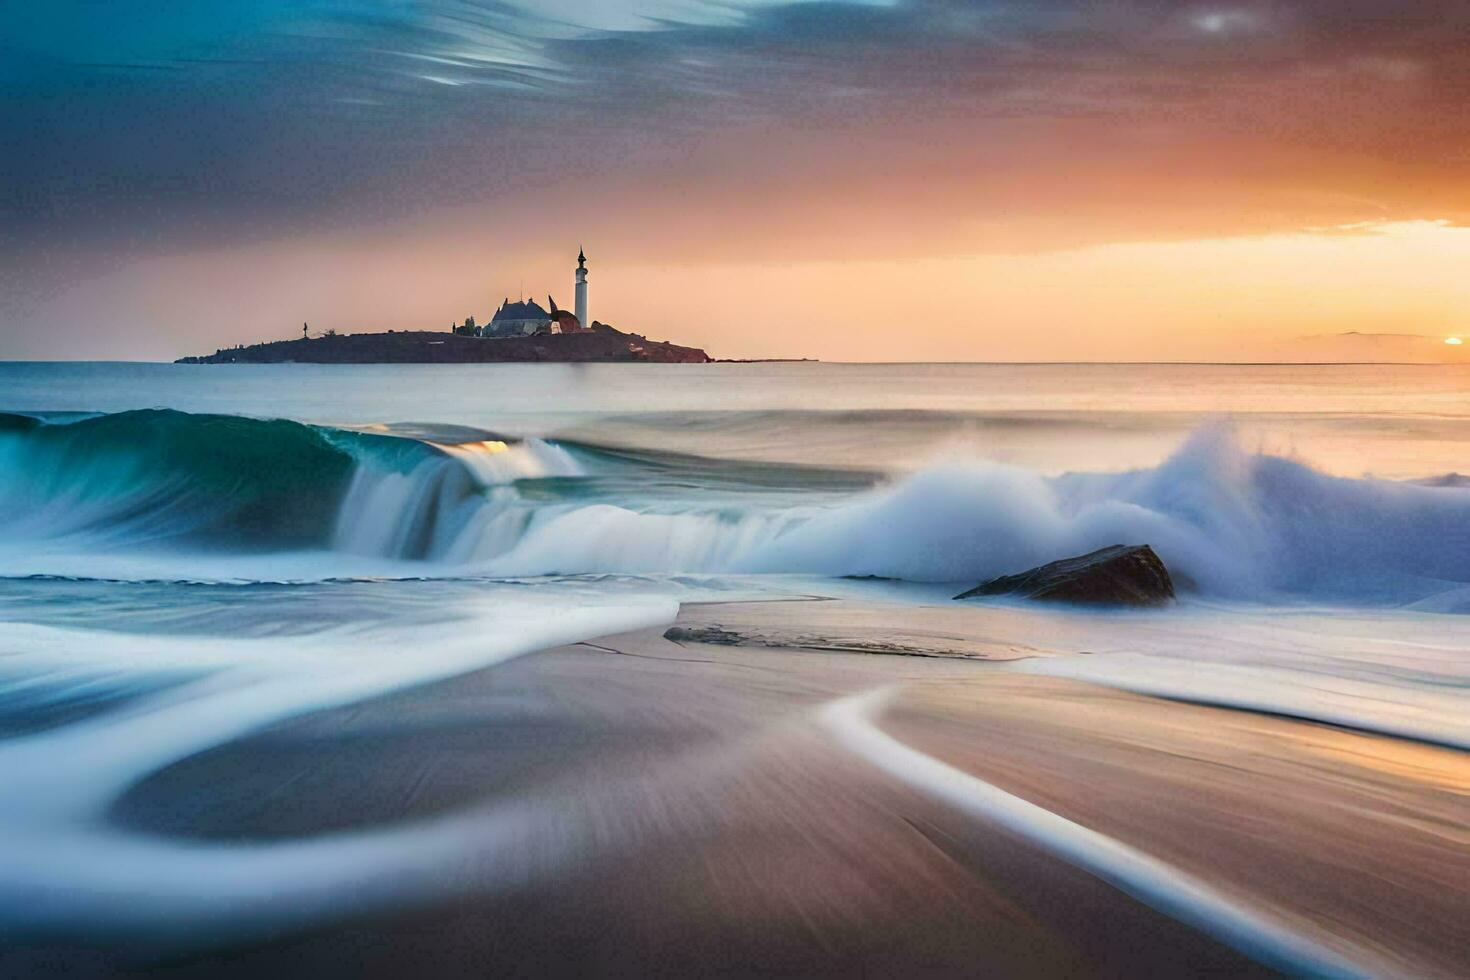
(601, 343)
(518, 331)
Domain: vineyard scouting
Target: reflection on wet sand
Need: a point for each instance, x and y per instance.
(632, 804)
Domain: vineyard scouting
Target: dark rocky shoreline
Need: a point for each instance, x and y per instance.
(600, 344)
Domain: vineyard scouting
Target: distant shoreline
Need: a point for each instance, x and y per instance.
(767, 360)
(602, 344)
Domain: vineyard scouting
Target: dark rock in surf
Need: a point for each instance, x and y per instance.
(1120, 575)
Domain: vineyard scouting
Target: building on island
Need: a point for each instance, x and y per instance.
(526, 318)
(516, 320)
(564, 321)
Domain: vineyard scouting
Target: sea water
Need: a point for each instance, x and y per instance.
(191, 553)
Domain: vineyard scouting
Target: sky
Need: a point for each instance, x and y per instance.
(877, 180)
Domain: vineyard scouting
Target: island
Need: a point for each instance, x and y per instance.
(520, 331)
(601, 343)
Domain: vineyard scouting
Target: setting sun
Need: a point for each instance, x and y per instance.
(1455, 341)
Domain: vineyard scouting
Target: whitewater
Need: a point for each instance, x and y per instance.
(189, 555)
(159, 492)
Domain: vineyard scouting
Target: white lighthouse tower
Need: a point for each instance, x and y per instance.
(582, 291)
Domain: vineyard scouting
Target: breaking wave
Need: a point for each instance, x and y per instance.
(167, 479)
(1231, 523)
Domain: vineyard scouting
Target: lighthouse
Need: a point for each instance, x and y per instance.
(582, 290)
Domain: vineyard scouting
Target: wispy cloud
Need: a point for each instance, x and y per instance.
(148, 127)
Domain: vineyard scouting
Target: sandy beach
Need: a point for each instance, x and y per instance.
(821, 788)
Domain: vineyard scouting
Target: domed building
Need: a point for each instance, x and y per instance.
(564, 321)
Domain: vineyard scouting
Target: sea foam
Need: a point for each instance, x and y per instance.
(209, 490)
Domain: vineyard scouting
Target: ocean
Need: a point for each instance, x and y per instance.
(1271, 484)
(189, 554)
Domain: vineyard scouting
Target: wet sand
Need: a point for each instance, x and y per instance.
(687, 807)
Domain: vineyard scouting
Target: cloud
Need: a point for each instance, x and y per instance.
(802, 129)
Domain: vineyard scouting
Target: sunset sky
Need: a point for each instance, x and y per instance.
(926, 180)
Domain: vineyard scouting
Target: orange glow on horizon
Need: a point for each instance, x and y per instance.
(1367, 291)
